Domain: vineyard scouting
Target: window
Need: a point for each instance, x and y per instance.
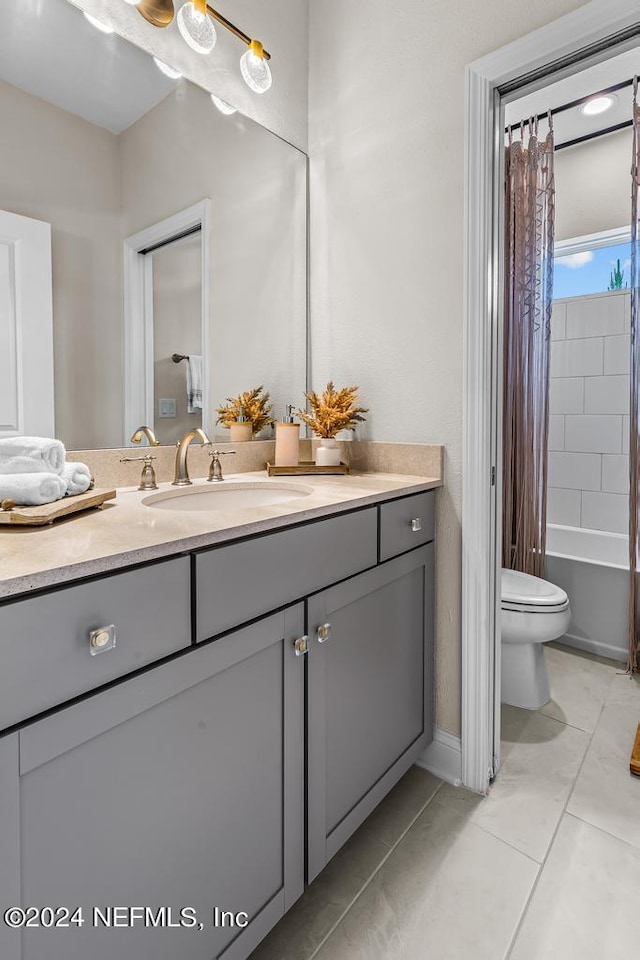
(592, 264)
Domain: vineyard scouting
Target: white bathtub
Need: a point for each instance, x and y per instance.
(593, 568)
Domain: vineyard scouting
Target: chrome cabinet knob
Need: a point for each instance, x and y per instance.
(102, 639)
(416, 524)
(301, 646)
(324, 633)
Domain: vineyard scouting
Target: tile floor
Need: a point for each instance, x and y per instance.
(547, 866)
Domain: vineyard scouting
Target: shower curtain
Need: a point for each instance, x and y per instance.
(529, 228)
(634, 440)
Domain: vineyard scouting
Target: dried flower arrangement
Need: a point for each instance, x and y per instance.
(255, 407)
(333, 411)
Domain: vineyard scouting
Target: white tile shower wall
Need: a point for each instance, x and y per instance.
(589, 412)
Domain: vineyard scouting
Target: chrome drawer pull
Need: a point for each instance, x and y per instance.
(301, 646)
(416, 524)
(102, 639)
(324, 633)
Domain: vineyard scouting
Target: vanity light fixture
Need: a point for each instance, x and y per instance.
(598, 105)
(168, 71)
(223, 106)
(196, 25)
(98, 24)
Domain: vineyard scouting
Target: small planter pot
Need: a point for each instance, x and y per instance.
(240, 432)
(328, 453)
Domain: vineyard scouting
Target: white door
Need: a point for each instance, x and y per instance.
(26, 327)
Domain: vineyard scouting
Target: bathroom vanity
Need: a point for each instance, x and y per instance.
(268, 684)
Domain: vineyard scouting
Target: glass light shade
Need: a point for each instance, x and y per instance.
(168, 71)
(598, 105)
(132, 3)
(196, 28)
(255, 69)
(223, 106)
(99, 24)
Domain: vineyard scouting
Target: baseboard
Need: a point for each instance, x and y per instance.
(443, 757)
(594, 646)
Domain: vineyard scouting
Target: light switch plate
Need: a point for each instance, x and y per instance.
(166, 408)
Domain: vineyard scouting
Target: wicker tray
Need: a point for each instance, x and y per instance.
(307, 468)
(58, 510)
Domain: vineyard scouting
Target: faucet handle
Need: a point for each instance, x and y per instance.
(215, 470)
(148, 476)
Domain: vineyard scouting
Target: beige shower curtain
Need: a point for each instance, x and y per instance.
(634, 463)
(529, 227)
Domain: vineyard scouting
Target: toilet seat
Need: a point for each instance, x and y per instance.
(525, 593)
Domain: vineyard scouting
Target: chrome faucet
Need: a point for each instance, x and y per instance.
(148, 433)
(181, 478)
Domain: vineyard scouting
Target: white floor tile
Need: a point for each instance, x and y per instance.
(585, 906)
(449, 891)
(579, 686)
(540, 761)
(606, 794)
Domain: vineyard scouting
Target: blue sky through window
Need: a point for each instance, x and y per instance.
(589, 271)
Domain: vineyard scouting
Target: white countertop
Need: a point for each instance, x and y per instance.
(125, 531)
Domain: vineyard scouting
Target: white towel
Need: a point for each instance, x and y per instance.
(77, 477)
(31, 455)
(194, 384)
(32, 489)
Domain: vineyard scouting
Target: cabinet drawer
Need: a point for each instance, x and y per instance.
(45, 645)
(238, 582)
(396, 524)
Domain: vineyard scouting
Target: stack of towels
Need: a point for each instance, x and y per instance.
(34, 470)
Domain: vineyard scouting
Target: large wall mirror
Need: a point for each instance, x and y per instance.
(170, 240)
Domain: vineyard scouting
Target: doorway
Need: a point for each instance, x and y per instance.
(561, 50)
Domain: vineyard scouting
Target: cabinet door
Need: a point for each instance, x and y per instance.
(369, 694)
(183, 787)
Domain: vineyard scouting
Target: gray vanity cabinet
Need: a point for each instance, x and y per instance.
(369, 694)
(181, 787)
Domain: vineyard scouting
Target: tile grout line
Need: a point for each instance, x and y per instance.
(534, 886)
(375, 872)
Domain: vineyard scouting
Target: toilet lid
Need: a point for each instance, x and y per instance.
(523, 588)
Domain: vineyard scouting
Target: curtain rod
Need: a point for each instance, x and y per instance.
(594, 135)
(572, 104)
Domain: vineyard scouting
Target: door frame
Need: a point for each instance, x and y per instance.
(588, 30)
(138, 314)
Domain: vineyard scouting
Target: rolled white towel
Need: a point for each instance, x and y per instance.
(32, 489)
(31, 455)
(77, 476)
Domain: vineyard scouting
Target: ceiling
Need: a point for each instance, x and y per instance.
(49, 49)
(572, 123)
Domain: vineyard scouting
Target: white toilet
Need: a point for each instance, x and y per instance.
(533, 612)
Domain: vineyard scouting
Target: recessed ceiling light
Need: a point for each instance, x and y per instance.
(598, 105)
(99, 24)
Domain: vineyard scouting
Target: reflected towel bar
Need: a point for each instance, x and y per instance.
(178, 357)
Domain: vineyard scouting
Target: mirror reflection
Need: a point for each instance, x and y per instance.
(162, 263)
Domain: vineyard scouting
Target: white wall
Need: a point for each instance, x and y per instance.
(593, 186)
(282, 25)
(589, 412)
(386, 117)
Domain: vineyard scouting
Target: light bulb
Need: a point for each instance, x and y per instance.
(99, 24)
(598, 105)
(223, 106)
(255, 69)
(196, 28)
(168, 71)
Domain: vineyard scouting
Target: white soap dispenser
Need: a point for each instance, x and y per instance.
(287, 441)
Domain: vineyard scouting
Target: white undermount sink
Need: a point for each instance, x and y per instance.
(227, 495)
